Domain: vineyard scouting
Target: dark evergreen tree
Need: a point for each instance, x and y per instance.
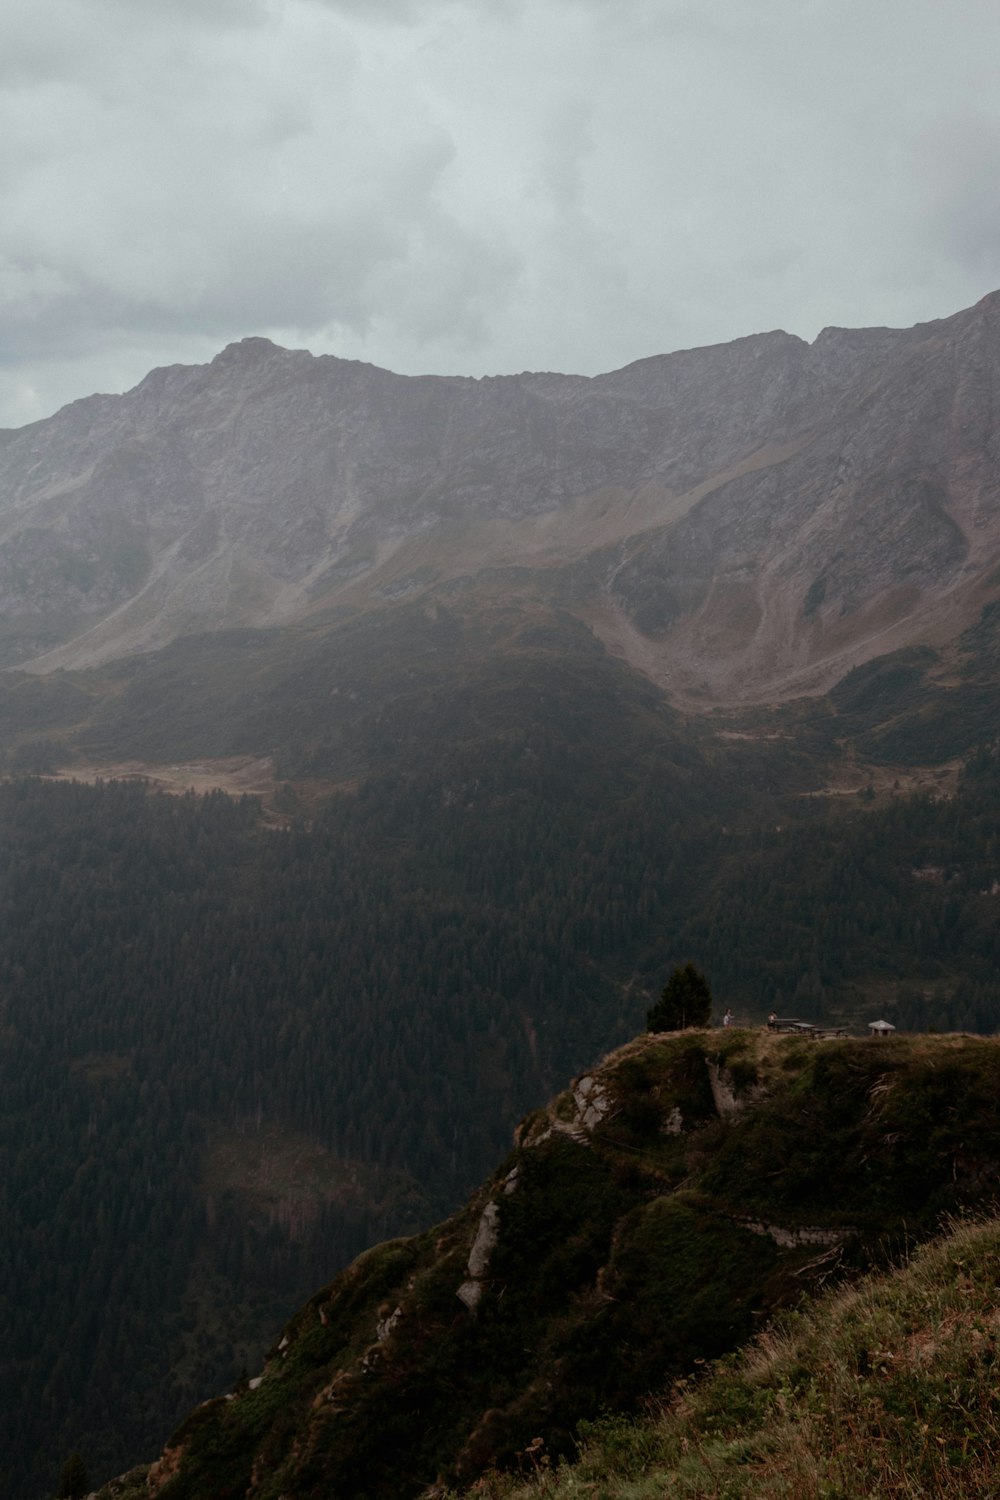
(74, 1481)
(685, 1000)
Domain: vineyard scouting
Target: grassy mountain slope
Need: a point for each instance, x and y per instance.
(645, 1222)
(886, 1389)
(347, 697)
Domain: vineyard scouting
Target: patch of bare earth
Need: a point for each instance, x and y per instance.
(281, 1174)
(747, 645)
(856, 779)
(237, 777)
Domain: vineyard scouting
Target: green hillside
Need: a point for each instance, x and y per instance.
(887, 1389)
(647, 1221)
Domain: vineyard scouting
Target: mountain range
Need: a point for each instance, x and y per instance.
(740, 523)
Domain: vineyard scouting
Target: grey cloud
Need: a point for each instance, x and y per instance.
(240, 13)
(368, 245)
(43, 46)
(434, 184)
(451, 287)
(770, 261)
(960, 162)
(416, 10)
(388, 10)
(51, 40)
(567, 143)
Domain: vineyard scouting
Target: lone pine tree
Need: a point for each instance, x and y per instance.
(685, 1000)
(73, 1479)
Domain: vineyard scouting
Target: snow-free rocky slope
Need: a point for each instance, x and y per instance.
(741, 522)
(648, 1219)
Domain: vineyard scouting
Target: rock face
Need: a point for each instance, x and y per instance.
(738, 521)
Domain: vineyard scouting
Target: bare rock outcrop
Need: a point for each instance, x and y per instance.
(471, 1290)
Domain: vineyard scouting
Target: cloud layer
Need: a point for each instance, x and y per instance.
(456, 186)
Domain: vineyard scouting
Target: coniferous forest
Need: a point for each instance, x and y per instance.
(232, 1055)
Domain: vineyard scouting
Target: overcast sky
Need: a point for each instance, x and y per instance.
(481, 186)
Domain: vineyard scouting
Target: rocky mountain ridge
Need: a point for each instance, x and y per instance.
(740, 522)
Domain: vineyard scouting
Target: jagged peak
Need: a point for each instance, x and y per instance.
(253, 349)
(834, 333)
(753, 343)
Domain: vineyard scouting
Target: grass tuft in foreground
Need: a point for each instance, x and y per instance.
(889, 1390)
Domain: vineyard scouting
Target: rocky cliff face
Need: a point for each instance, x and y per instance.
(739, 521)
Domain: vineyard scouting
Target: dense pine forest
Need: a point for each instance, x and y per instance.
(895, 908)
(231, 1055)
(359, 1008)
